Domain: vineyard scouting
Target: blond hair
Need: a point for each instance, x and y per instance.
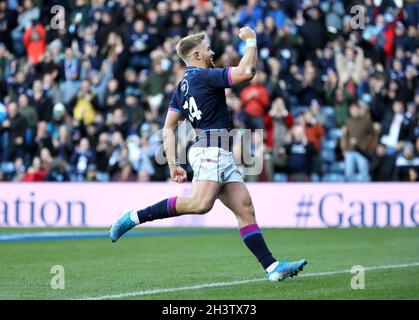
(186, 44)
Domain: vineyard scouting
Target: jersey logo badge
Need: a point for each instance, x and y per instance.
(184, 87)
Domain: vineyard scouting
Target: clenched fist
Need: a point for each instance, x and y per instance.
(178, 174)
(247, 33)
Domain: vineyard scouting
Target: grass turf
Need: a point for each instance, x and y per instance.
(96, 267)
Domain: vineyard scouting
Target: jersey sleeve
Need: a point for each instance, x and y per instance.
(173, 105)
(219, 78)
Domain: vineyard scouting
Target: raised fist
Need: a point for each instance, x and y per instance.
(247, 33)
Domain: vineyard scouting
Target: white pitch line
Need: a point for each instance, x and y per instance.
(235, 283)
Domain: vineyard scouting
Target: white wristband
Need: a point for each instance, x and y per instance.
(251, 43)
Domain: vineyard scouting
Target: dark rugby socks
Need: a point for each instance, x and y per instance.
(161, 210)
(253, 239)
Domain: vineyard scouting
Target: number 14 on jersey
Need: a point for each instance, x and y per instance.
(194, 112)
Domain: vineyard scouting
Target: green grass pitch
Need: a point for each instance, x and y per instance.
(212, 264)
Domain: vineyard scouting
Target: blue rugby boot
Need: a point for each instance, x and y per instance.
(285, 269)
(126, 221)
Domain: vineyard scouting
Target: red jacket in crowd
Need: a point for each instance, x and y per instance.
(255, 98)
(34, 40)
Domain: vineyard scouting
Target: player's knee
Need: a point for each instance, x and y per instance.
(203, 206)
(247, 209)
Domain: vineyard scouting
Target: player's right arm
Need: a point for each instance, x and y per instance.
(173, 118)
(246, 69)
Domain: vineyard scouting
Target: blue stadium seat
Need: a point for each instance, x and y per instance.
(329, 124)
(297, 110)
(325, 167)
(328, 156)
(280, 177)
(315, 177)
(337, 167)
(358, 178)
(7, 167)
(328, 144)
(333, 177)
(335, 133)
(328, 111)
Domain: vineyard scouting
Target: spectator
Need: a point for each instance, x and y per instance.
(28, 112)
(62, 146)
(299, 153)
(70, 66)
(407, 164)
(349, 67)
(282, 122)
(20, 170)
(396, 128)
(311, 86)
(99, 83)
(250, 14)
(313, 31)
(34, 40)
(85, 104)
(112, 96)
(255, 99)
(81, 159)
(119, 123)
(41, 102)
(341, 105)
(57, 172)
(12, 134)
(277, 13)
(28, 14)
(35, 172)
(139, 45)
(334, 12)
(125, 174)
(69, 89)
(383, 164)
(356, 140)
(314, 131)
(103, 153)
(43, 139)
(8, 21)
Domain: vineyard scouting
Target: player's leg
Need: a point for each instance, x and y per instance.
(204, 194)
(236, 197)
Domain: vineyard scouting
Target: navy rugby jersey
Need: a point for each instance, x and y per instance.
(200, 97)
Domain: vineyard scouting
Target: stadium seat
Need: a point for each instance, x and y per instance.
(280, 177)
(357, 178)
(328, 111)
(329, 124)
(337, 167)
(335, 133)
(297, 110)
(333, 177)
(328, 144)
(7, 167)
(315, 177)
(325, 167)
(328, 156)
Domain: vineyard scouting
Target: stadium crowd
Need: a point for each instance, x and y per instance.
(336, 94)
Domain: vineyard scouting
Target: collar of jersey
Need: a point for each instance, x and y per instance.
(191, 68)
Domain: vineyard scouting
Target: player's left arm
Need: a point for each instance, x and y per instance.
(244, 72)
(171, 124)
(246, 69)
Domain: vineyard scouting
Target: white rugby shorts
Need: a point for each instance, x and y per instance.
(213, 164)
